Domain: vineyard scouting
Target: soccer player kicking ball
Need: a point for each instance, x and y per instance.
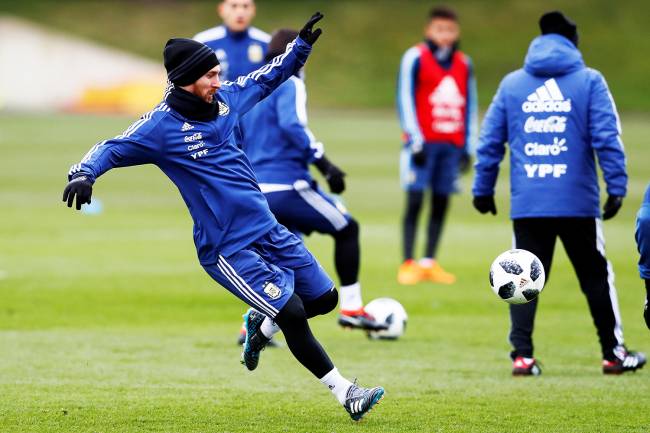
(281, 147)
(191, 136)
(643, 241)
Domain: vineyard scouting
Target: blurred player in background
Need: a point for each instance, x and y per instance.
(557, 114)
(437, 104)
(191, 137)
(281, 148)
(643, 241)
(240, 47)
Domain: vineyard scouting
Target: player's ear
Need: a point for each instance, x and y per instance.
(219, 9)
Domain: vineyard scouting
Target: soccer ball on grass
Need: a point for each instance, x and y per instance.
(517, 276)
(389, 312)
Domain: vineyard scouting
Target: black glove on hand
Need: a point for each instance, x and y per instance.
(612, 205)
(307, 34)
(333, 175)
(419, 157)
(80, 186)
(485, 204)
(465, 162)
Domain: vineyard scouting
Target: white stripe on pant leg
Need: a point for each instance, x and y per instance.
(613, 295)
(246, 287)
(245, 293)
(322, 206)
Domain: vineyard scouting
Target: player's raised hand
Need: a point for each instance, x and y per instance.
(307, 33)
(82, 188)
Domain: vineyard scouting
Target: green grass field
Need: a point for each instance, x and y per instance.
(109, 324)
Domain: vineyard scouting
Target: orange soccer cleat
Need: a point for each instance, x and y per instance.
(410, 273)
(436, 274)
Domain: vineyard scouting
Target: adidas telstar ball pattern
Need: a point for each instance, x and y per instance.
(517, 276)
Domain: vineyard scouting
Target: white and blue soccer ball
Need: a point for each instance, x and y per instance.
(391, 313)
(517, 276)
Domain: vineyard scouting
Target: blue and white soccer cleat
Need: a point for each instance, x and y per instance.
(255, 341)
(359, 401)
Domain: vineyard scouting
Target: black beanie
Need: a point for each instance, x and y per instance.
(556, 22)
(186, 60)
(279, 41)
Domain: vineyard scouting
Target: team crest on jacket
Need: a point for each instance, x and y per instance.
(448, 105)
(223, 109)
(255, 53)
(272, 290)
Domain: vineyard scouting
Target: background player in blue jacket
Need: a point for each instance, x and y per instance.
(557, 114)
(239, 46)
(436, 99)
(643, 241)
(191, 137)
(281, 148)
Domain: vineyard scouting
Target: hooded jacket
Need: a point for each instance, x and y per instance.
(557, 115)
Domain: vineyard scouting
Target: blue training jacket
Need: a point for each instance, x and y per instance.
(277, 141)
(238, 53)
(557, 115)
(643, 235)
(203, 159)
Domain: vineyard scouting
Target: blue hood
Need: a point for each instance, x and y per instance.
(552, 55)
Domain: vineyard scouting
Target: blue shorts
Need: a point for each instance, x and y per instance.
(305, 208)
(267, 272)
(438, 173)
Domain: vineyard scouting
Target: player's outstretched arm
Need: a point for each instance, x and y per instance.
(121, 151)
(248, 90)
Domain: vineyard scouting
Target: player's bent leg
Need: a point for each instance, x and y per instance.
(292, 319)
(323, 304)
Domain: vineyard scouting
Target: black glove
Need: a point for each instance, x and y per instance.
(333, 175)
(612, 205)
(465, 162)
(80, 186)
(485, 204)
(306, 34)
(419, 157)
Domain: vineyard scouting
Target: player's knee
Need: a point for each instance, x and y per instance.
(328, 301)
(292, 313)
(350, 231)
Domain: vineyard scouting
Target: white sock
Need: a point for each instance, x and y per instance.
(336, 383)
(269, 327)
(351, 297)
(426, 262)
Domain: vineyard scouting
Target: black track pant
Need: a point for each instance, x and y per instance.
(584, 243)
